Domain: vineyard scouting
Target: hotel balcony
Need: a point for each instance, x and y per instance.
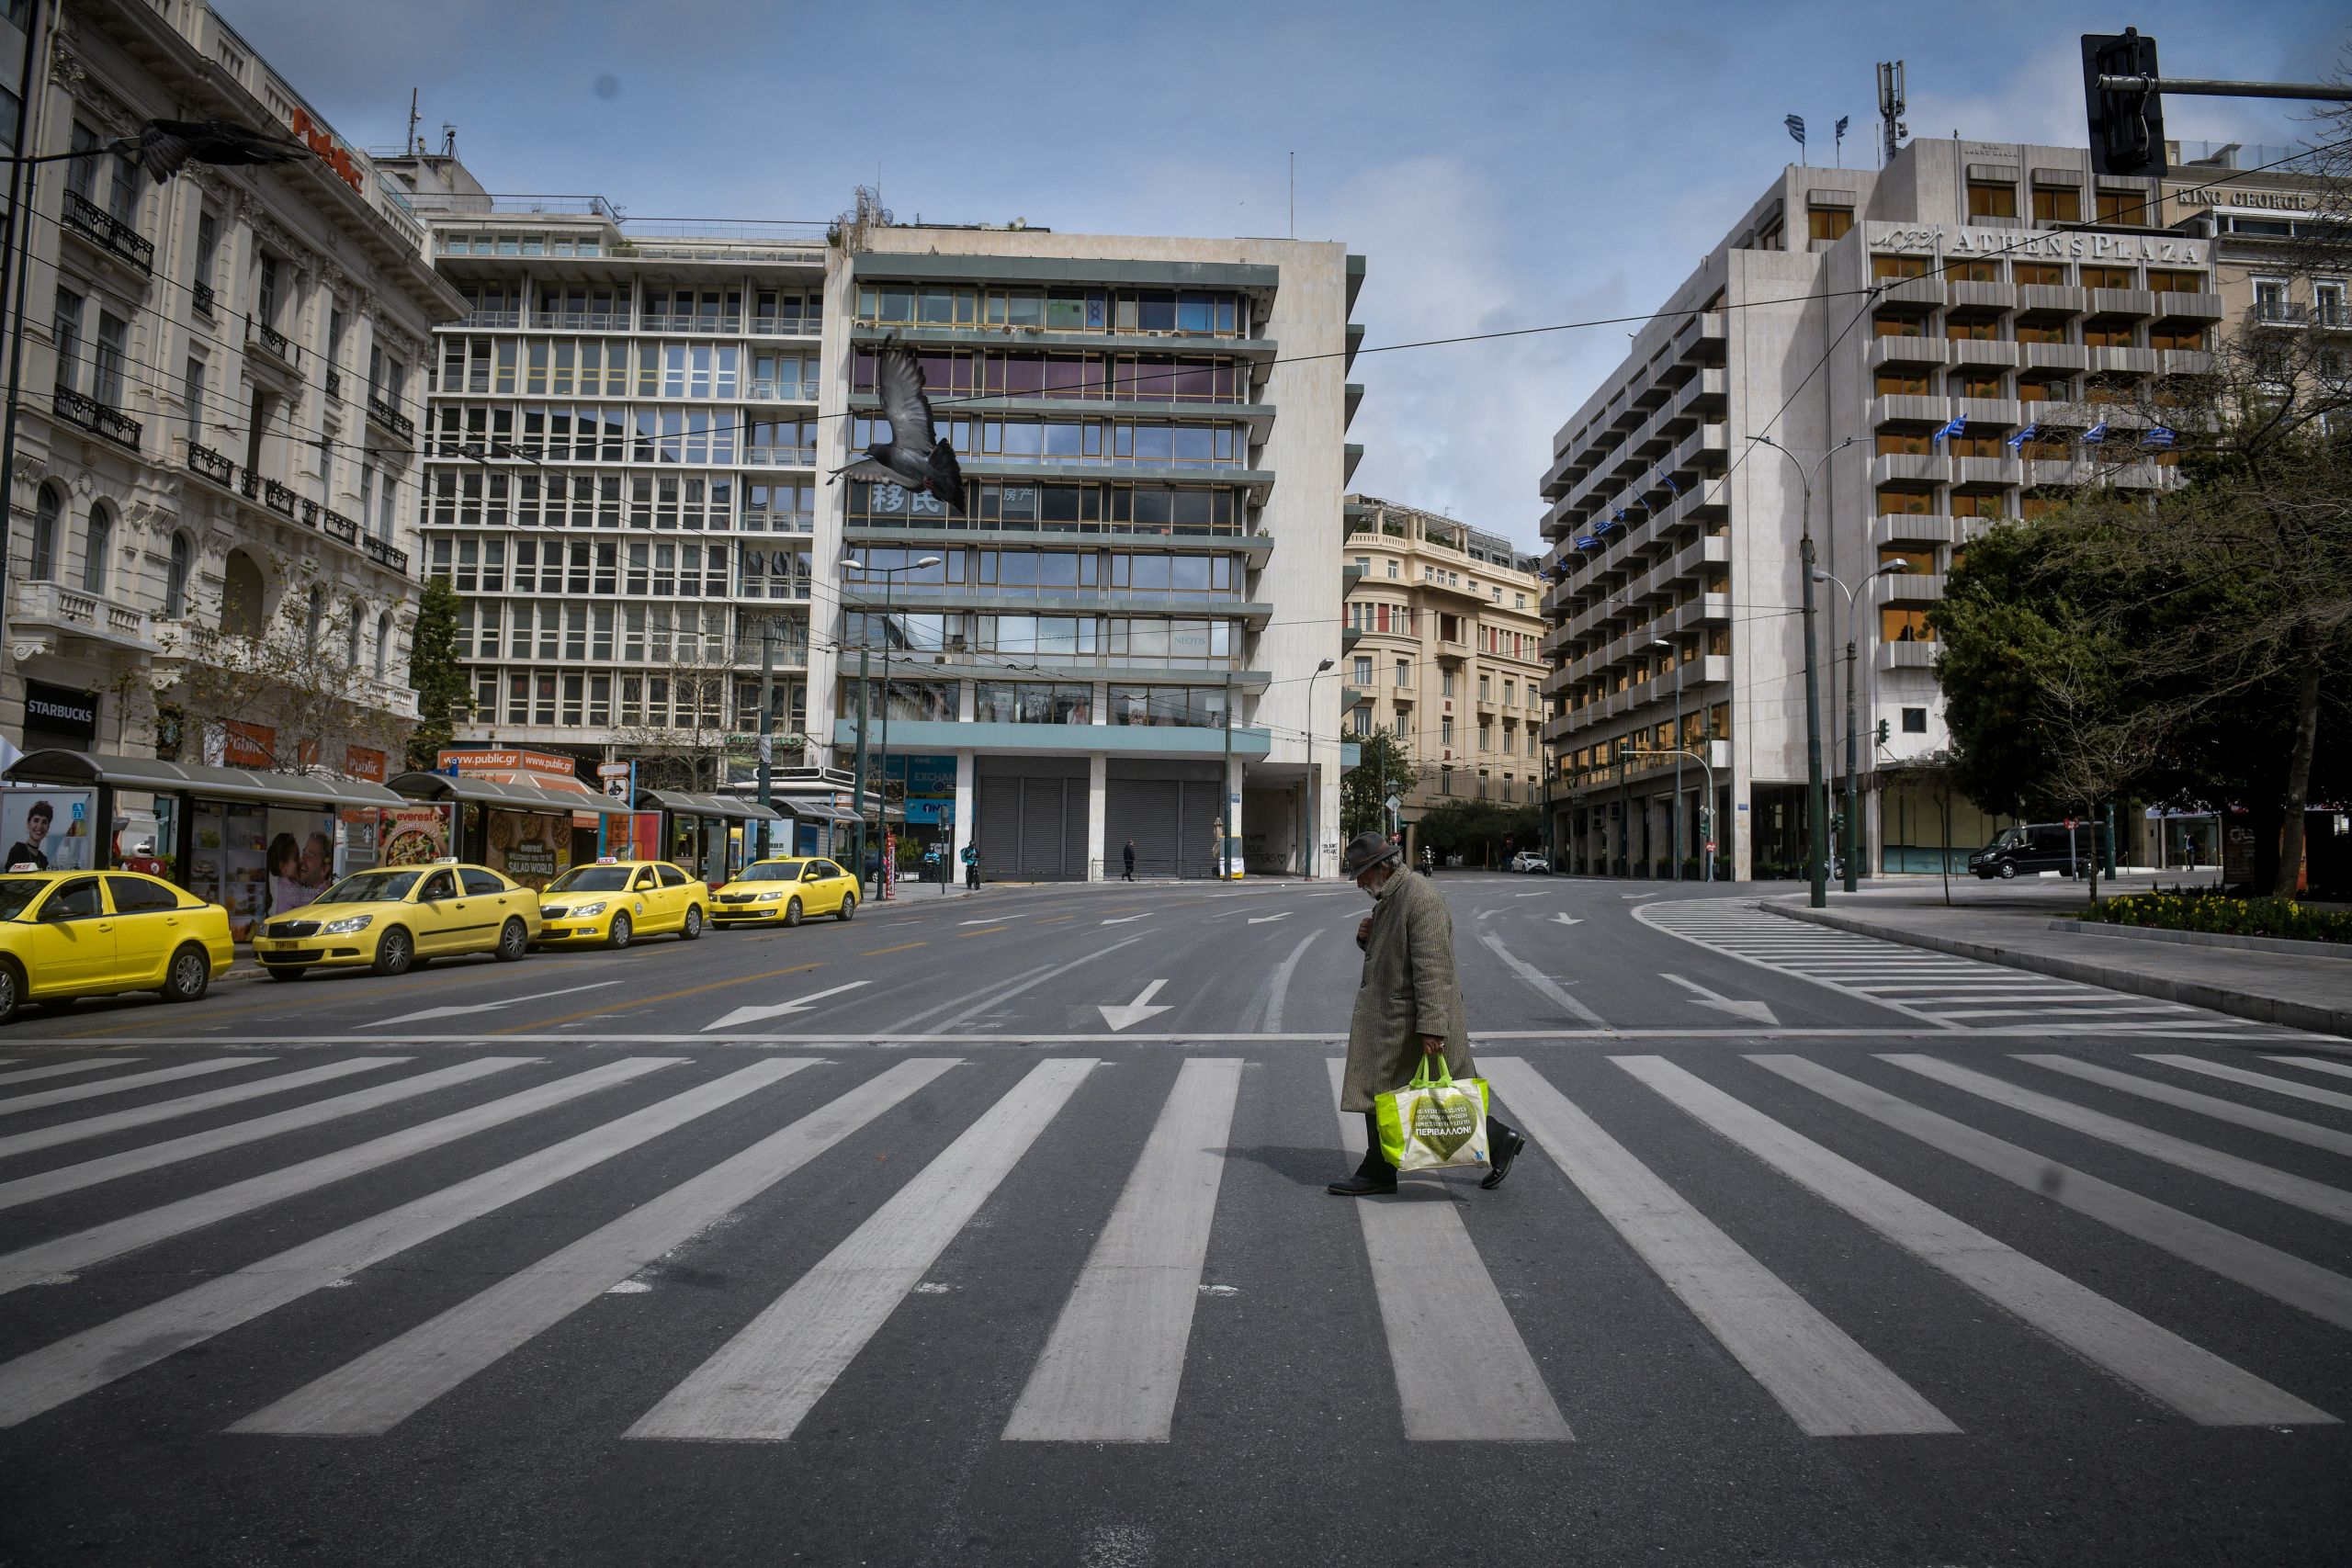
(112, 238)
(1909, 467)
(1905, 656)
(1907, 588)
(2125, 304)
(56, 614)
(1701, 337)
(96, 417)
(1894, 530)
(1906, 351)
(2190, 306)
(2052, 299)
(1981, 352)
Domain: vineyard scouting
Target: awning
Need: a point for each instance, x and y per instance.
(816, 811)
(475, 790)
(87, 768)
(679, 803)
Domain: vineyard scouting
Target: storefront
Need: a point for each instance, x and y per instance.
(524, 829)
(257, 843)
(706, 834)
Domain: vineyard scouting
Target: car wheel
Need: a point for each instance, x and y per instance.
(513, 940)
(287, 971)
(848, 911)
(189, 975)
(693, 928)
(2009, 871)
(618, 936)
(395, 952)
(792, 913)
(11, 989)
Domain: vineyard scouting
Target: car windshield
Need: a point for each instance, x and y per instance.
(15, 892)
(593, 879)
(773, 870)
(371, 888)
(2008, 838)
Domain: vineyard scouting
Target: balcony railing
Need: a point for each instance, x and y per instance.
(690, 322)
(390, 418)
(492, 318)
(787, 326)
(208, 464)
(276, 497)
(108, 231)
(96, 417)
(338, 527)
(211, 465)
(277, 344)
(384, 554)
(785, 392)
(2280, 313)
(781, 456)
(46, 604)
(334, 384)
(582, 321)
(204, 298)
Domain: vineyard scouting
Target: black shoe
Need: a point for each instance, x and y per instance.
(1506, 1150)
(1363, 1186)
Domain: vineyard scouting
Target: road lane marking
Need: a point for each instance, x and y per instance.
(187, 1105)
(2279, 1275)
(1829, 1384)
(1268, 1017)
(1013, 988)
(1462, 1372)
(149, 1157)
(1261, 919)
(2275, 1085)
(1057, 919)
(989, 931)
(2220, 1109)
(73, 1366)
(388, 1384)
(2160, 1363)
(759, 1386)
(986, 920)
(1111, 1370)
(2300, 1191)
(1757, 1012)
(49, 1097)
(903, 947)
(70, 1254)
(1128, 919)
(2315, 1064)
(1136, 1012)
(63, 1070)
(662, 997)
(488, 1007)
(1542, 983)
(763, 1010)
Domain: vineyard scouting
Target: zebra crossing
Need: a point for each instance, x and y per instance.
(1940, 988)
(1621, 1135)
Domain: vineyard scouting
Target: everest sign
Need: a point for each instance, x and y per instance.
(321, 141)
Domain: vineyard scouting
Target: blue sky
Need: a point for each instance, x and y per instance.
(1501, 166)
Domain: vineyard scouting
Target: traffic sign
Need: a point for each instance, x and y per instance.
(1392, 803)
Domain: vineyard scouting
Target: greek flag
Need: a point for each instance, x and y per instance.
(1795, 123)
(1589, 542)
(1669, 481)
(2160, 438)
(1949, 431)
(1603, 527)
(2094, 434)
(2017, 442)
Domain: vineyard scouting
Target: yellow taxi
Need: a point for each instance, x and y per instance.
(780, 892)
(87, 933)
(395, 918)
(614, 902)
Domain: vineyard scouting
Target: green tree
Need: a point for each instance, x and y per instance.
(1383, 767)
(436, 673)
(1483, 833)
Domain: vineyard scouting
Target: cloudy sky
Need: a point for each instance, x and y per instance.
(1501, 166)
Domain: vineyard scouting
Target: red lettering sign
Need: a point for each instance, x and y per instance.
(320, 140)
(362, 762)
(248, 744)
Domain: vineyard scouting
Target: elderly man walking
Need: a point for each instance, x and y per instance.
(1408, 1005)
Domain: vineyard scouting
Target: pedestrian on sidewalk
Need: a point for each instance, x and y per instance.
(1408, 1007)
(1128, 855)
(972, 867)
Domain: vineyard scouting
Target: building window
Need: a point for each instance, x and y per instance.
(1886, 268)
(1992, 199)
(176, 579)
(195, 399)
(45, 511)
(208, 251)
(2040, 275)
(1828, 222)
(82, 169)
(265, 291)
(1364, 671)
(97, 542)
(1360, 721)
(1445, 683)
(2327, 303)
(65, 328)
(2059, 204)
(314, 617)
(1914, 721)
(1445, 730)
(1404, 673)
(2119, 206)
(1392, 569)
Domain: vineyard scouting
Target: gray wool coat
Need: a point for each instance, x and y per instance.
(1410, 990)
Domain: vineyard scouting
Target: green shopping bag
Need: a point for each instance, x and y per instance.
(1433, 1122)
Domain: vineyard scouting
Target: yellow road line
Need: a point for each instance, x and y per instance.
(985, 931)
(878, 952)
(663, 997)
(1057, 919)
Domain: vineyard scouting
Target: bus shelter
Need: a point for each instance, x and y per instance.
(255, 842)
(527, 830)
(709, 835)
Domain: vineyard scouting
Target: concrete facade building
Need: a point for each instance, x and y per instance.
(1857, 313)
(1444, 628)
(625, 482)
(214, 433)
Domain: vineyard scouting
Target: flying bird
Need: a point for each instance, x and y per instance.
(913, 457)
(164, 146)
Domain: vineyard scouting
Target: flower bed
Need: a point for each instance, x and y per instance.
(2223, 916)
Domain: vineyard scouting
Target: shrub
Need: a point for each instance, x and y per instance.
(2204, 912)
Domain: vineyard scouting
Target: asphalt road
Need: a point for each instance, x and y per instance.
(992, 1229)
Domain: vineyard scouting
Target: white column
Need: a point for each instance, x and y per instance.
(963, 834)
(1097, 809)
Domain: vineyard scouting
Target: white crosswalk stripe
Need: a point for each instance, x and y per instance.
(64, 1069)
(1463, 1363)
(1940, 988)
(16, 1105)
(187, 1105)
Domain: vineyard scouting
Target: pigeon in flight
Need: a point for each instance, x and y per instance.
(913, 457)
(163, 146)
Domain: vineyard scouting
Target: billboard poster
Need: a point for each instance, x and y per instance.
(531, 847)
(412, 835)
(300, 859)
(46, 829)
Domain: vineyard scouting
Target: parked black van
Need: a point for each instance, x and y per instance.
(2037, 847)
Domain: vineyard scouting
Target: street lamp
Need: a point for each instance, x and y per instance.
(1315, 836)
(1816, 797)
(889, 576)
(1853, 869)
(1677, 840)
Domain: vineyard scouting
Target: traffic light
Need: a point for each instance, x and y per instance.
(1881, 732)
(2127, 128)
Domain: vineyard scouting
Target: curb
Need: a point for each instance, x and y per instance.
(2291, 946)
(2163, 987)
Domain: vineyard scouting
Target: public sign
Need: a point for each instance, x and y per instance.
(61, 710)
(1392, 803)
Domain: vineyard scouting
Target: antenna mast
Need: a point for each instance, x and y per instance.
(1891, 106)
(414, 146)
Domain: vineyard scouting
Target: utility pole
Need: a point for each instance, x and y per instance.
(767, 728)
(1676, 840)
(1225, 788)
(1853, 821)
(1817, 794)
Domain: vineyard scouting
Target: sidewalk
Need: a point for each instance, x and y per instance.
(2009, 922)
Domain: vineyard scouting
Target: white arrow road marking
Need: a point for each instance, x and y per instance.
(484, 1007)
(1758, 1012)
(1127, 919)
(1261, 919)
(993, 920)
(1567, 920)
(777, 1009)
(1136, 1012)
(1631, 895)
(1535, 895)
(1544, 984)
